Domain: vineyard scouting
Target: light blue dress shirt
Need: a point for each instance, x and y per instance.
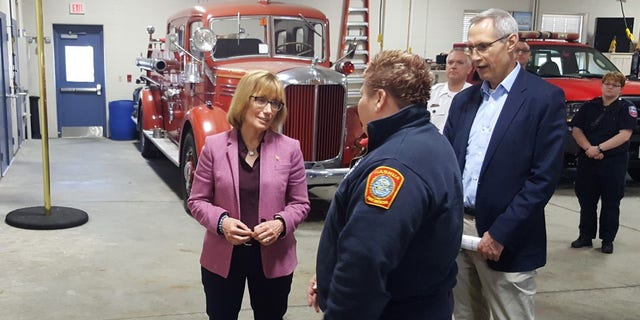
(485, 121)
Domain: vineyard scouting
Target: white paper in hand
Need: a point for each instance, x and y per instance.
(470, 242)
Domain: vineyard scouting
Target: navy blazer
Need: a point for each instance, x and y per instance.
(520, 170)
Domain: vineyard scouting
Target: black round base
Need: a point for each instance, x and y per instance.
(34, 218)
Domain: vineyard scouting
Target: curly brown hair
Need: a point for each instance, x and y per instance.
(615, 76)
(405, 77)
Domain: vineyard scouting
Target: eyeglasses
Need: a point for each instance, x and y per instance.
(609, 84)
(482, 47)
(262, 102)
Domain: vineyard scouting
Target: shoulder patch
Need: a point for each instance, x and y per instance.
(633, 111)
(383, 185)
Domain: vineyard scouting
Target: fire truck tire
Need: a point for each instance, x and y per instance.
(147, 148)
(188, 163)
(634, 173)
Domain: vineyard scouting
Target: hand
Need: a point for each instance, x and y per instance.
(312, 294)
(235, 231)
(488, 248)
(600, 156)
(268, 232)
(592, 152)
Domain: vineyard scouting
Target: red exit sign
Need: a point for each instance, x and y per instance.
(76, 8)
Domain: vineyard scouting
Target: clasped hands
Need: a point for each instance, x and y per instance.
(593, 152)
(266, 233)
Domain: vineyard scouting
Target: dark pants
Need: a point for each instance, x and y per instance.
(224, 296)
(600, 180)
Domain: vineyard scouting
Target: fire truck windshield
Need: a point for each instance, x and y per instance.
(298, 37)
(568, 61)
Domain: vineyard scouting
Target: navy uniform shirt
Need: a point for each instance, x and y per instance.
(393, 229)
(600, 123)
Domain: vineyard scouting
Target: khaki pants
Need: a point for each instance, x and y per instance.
(483, 293)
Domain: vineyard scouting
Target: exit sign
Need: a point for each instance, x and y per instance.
(76, 8)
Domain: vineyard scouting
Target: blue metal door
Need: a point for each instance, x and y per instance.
(18, 94)
(6, 131)
(79, 54)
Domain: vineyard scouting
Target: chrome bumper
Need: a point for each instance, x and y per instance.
(325, 177)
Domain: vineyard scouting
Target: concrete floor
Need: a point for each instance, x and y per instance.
(137, 257)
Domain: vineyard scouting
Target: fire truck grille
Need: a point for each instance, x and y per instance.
(315, 119)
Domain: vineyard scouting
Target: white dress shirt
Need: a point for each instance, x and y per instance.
(481, 131)
(440, 102)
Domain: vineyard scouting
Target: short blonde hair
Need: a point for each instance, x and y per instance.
(405, 76)
(256, 83)
(615, 76)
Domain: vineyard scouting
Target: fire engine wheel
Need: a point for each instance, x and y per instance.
(282, 48)
(188, 163)
(147, 148)
(634, 173)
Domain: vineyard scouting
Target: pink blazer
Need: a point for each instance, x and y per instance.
(283, 191)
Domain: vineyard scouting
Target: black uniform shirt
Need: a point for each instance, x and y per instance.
(600, 123)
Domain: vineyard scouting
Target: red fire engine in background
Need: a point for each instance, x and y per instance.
(578, 69)
(192, 74)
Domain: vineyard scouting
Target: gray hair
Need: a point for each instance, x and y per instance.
(503, 23)
(463, 50)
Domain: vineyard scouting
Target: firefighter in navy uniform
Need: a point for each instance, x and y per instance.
(602, 128)
(393, 229)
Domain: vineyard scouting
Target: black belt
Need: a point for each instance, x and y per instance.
(470, 211)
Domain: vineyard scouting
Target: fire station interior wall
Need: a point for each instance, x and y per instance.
(426, 27)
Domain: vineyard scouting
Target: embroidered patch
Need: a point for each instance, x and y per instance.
(633, 111)
(383, 185)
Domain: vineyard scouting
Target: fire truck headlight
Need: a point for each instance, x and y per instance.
(203, 39)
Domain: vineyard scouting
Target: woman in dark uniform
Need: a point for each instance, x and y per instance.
(602, 128)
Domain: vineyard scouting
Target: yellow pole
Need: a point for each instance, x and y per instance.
(410, 26)
(44, 122)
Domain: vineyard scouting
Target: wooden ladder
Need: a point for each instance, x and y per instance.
(355, 29)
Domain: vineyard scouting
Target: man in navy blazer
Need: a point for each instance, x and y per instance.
(507, 134)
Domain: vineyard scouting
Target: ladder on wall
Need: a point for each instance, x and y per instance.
(355, 29)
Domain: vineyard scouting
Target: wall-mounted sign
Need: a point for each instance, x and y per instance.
(524, 20)
(76, 8)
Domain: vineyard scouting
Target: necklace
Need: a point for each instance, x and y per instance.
(252, 153)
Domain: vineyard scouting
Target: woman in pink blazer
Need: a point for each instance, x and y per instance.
(250, 193)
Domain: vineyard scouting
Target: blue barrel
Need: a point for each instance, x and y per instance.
(121, 126)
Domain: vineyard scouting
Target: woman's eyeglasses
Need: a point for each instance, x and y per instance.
(262, 102)
(610, 84)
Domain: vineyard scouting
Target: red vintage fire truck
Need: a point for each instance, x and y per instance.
(191, 75)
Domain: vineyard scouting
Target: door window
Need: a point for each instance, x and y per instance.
(79, 64)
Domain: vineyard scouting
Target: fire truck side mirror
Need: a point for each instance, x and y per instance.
(203, 40)
(172, 39)
(351, 50)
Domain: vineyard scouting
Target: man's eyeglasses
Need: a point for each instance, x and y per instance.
(482, 47)
(262, 102)
(609, 84)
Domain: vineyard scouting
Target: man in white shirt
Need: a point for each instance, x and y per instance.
(458, 68)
